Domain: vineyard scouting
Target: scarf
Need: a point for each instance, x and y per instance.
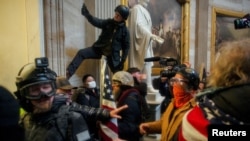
(214, 115)
(181, 97)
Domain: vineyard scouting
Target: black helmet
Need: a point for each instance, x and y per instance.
(191, 75)
(33, 74)
(123, 11)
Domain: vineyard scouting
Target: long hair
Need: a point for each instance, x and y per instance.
(232, 64)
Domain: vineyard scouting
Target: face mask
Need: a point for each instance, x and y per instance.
(181, 97)
(92, 84)
(179, 91)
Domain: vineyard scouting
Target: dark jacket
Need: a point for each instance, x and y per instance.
(232, 100)
(216, 106)
(62, 123)
(113, 33)
(87, 97)
(142, 88)
(59, 124)
(128, 126)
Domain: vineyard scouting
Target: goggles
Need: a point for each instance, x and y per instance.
(38, 94)
(177, 81)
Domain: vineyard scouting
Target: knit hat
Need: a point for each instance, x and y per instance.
(63, 83)
(9, 108)
(124, 77)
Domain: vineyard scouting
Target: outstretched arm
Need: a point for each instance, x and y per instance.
(97, 113)
(93, 20)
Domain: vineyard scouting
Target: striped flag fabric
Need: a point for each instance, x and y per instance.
(108, 130)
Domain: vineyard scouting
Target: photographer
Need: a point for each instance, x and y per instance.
(169, 68)
(165, 90)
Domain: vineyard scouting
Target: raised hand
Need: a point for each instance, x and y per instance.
(84, 10)
(114, 113)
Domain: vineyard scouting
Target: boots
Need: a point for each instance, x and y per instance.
(148, 72)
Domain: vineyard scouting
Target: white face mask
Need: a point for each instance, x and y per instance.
(92, 84)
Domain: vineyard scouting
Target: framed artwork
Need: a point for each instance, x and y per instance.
(167, 22)
(223, 29)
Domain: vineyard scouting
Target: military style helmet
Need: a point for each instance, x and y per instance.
(191, 75)
(124, 78)
(33, 74)
(123, 11)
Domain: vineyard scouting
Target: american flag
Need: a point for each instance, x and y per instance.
(109, 130)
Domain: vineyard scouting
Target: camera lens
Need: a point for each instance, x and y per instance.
(238, 24)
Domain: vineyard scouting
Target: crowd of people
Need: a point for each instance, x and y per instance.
(57, 111)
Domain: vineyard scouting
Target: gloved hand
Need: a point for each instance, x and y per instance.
(84, 10)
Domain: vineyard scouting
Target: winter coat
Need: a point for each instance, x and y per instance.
(63, 122)
(114, 34)
(220, 106)
(56, 125)
(170, 121)
(128, 125)
(88, 97)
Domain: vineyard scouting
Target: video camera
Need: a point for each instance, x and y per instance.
(41, 62)
(41, 65)
(169, 65)
(242, 22)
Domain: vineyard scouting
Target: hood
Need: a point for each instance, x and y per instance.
(234, 101)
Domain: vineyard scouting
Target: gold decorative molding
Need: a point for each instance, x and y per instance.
(185, 31)
(124, 2)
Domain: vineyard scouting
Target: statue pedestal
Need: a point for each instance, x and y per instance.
(154, 100)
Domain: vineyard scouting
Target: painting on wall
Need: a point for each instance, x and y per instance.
(166, 21)
(223, 28)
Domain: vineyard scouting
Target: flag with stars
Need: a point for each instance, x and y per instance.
(109, 130)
